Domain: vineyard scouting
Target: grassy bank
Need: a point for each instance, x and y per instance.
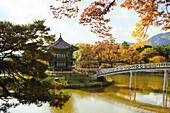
(83, 82)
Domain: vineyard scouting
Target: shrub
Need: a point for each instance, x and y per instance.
(156, 59)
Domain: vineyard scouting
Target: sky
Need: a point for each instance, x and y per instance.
(27, 11)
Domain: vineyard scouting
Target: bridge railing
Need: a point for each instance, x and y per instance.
(135, 67)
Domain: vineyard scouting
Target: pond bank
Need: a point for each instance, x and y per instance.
(151, 73)
(148, 73)
(89, 85)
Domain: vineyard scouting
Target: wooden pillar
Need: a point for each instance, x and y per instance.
(130, 86)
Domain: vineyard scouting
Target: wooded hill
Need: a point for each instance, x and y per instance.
(159, 39)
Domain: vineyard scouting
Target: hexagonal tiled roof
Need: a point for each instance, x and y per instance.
(61, 44)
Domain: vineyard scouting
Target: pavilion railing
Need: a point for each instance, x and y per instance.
(135, 67)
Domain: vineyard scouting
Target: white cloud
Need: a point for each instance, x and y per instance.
(115, 31)
(23, 12)
(129, 32)
(154, 31)
(123, 33)
(125, 14)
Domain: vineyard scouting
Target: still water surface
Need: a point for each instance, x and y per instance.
(147, 97)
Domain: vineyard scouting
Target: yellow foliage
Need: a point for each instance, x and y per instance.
(140, 44)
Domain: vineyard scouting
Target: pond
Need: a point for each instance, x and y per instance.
(117, 98)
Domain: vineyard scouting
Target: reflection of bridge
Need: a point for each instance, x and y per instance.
(165, 66)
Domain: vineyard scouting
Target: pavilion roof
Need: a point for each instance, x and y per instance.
(61, 44)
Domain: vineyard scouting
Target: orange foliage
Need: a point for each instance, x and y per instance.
(98, 49)
(128, 55)
(151, 12)
(156, 59)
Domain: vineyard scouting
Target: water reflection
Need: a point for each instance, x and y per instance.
(151, 98)
(95, 105)
(145, 96)
(24, 108)
(145, 89)
(84, 102)
(165, 99)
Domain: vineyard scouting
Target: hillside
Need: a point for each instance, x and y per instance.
(160, 39)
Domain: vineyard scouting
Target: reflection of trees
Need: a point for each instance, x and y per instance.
(33, 91)
(108, 95)
(5, 105)
(143, 82)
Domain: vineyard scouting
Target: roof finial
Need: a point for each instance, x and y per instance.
(60, 36)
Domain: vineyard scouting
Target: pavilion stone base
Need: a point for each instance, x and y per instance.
(60, 70)
(56, 72)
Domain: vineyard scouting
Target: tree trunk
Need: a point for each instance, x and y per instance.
(4, 88)
(99, 63)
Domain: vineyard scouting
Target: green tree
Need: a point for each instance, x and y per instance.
(163, 50)
(86, 55)
(125, 44)
(140, 49)
(77, 54)
(26, 75)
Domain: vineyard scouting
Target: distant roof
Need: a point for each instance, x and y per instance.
(61, 44)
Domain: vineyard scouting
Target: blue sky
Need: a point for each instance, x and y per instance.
(26, 11)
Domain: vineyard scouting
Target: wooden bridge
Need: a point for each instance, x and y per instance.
(132, 69)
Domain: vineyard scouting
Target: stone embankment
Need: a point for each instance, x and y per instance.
(91, 85)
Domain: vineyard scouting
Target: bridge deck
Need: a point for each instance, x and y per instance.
(134, 68)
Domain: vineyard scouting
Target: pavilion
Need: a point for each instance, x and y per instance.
(63, 60)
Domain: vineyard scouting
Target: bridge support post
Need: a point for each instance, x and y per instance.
(165, 85)
(130, 86)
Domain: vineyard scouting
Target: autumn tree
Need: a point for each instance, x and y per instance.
(85, 55)
(98, 50)
(128, 55)
(110, 52)
(146, 54)
(156, 59)
(134, 56)
(20, 47)
(151, 13)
